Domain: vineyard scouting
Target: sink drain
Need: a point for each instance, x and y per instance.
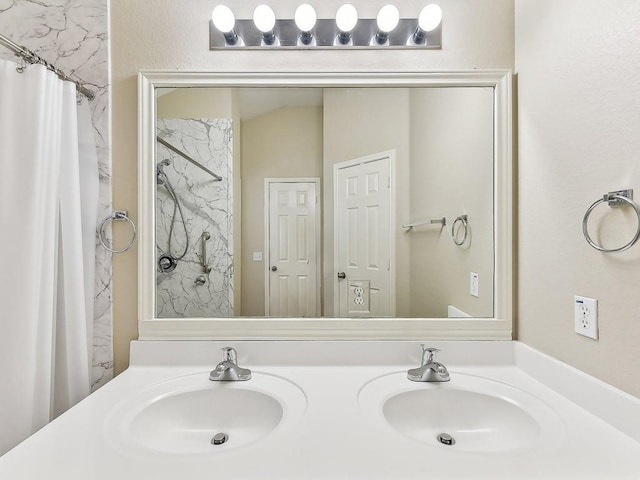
(219, 438)
(446, 439)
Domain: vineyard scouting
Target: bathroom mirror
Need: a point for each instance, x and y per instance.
(316, 205)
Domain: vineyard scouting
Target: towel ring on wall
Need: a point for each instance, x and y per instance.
(465, 225)
(620, 197)
(120, 215)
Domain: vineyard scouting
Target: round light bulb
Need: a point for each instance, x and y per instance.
(430, 17)
(388, 18)
(223, 18)
(346, 17)
(305, 17)
(264, 18)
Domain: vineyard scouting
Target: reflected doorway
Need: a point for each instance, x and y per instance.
(292, 246)
(364, 240)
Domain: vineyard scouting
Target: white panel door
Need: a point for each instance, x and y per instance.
(363, 237)
(293, 284)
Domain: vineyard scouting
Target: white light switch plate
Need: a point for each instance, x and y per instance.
(474, 284)
(586, 316)
(257, 256)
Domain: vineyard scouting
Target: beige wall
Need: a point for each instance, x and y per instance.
(196, 103)
(164, 34)
(285, 143)
(214, 103)
(360, 122)
(451, 175)
(578, 66)
(443, 139)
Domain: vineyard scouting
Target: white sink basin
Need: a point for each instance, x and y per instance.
(481, 415)
(182, 415)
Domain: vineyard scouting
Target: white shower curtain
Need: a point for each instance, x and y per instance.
(45, 333)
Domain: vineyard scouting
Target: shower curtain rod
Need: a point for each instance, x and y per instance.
(30, 57)
(188, 158)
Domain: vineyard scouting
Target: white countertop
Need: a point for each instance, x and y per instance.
(334, 439)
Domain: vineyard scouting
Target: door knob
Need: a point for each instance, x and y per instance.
(274, 268)
(342, 275)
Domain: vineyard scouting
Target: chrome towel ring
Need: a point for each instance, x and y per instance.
(465, 225)
(120, 215)
(619, 197)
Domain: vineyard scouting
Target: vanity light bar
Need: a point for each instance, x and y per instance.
(306, 31)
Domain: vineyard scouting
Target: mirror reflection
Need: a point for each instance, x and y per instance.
(335, 202)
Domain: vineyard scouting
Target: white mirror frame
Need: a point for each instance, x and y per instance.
(499, 327)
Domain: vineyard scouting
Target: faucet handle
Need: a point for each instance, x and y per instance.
(229, 354)
(429, 353)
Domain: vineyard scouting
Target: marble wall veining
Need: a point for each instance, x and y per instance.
(205, 206)
(73, 35)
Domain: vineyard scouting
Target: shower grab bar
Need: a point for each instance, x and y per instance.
(30, 57)
(204, 237)
(617, 198)
(162, 141)
(435, 221)
(119, 215)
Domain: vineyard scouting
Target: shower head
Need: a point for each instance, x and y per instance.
(160, 166)
(161, 177)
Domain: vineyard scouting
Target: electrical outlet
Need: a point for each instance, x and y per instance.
(585, 312)
(474, 284)
(257, 256)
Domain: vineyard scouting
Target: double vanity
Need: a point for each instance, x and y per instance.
(333, 410)
(343, 395)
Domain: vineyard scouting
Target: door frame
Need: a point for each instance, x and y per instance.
(267, 243)
(391, 154)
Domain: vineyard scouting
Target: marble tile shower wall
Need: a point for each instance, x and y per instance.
(207, 207)
(73, 34)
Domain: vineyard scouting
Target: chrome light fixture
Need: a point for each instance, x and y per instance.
(304, 30)
(387, 20)
(265, 21)
(305, 19)
(346, 21)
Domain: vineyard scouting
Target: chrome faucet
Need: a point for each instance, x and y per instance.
(228, 370)
(430, 371)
